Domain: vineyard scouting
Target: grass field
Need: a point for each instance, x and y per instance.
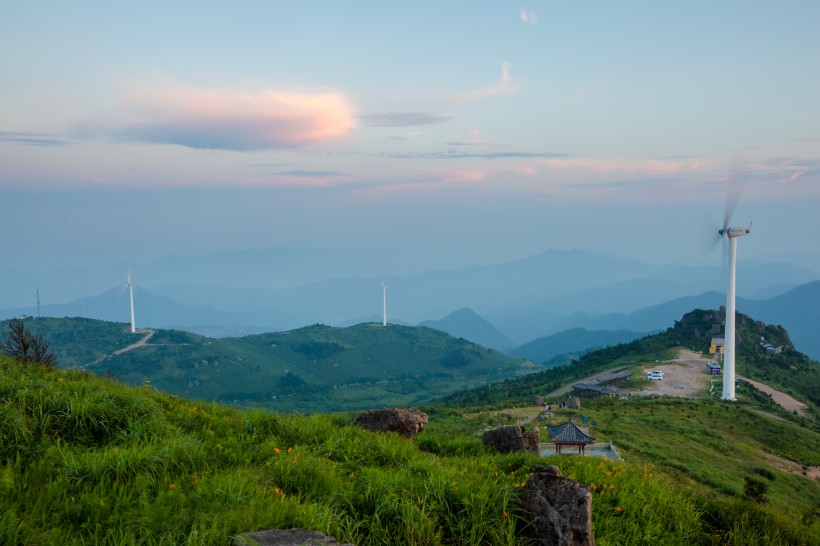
(86, 460)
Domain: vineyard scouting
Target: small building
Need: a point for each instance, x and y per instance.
(717, 345)
(570, 434)
(589, 390)
(712, 368)
(604, 384)
(773, 348)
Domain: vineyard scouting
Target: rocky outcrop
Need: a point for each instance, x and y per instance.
(558, 509)
(404, 421)
(538, 400)
(286, 537)
(574, 403)
(512, 438)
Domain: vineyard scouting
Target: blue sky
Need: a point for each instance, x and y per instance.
(436, 134)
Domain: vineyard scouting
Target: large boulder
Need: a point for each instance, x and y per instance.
(286, 537)
(404, 421)
(511, 438)
(558, 508)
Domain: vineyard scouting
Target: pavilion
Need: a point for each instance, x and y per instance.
(570, 434)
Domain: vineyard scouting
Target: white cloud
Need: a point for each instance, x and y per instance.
(528, 17)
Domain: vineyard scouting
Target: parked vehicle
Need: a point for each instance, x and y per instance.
(655, 375)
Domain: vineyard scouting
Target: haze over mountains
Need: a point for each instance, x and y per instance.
(500, 306)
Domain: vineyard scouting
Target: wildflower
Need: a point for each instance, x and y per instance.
(618, 509)
(289, 450)
(505, 514)
(277, 450)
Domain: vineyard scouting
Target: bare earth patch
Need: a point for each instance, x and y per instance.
(683, 377)
(792, 467)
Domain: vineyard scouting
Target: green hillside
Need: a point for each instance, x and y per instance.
(87, 460)
(315, 368)
(789, 371)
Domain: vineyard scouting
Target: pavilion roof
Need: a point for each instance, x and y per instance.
(570, 433)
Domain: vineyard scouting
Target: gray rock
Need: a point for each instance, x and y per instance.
(286, 537)
(538, 400)
(512, 438)
(404, 421)
(559, 509)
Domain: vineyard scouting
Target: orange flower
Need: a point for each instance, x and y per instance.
(173, 486)
(618, 509)
(277, 450)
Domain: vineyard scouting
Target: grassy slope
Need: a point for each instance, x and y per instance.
(88, 460)
(316, 368)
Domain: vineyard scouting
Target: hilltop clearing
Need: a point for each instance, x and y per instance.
(789, 372)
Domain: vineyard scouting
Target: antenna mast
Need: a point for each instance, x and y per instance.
(384, 304)
(38, 303)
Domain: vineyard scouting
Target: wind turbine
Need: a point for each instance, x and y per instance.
(384, 304)
(130, 285)
(732, 234)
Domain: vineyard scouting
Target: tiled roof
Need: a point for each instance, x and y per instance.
(569, 432)
(593, 388)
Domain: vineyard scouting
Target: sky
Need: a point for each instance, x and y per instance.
(433, 134)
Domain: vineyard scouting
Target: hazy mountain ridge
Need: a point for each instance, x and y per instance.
(573, 341)
(468, 324)
(523, 299)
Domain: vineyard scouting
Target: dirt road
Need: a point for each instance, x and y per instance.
(141, 343)
(780, 398)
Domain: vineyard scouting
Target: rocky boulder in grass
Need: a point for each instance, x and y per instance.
(559, 509)
(404, 421)
(286, 537)
(511, 438)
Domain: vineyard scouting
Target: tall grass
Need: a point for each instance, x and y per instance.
(84, 460)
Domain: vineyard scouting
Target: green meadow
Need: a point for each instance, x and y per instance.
(87, 460)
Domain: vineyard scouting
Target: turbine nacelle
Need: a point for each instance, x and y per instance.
(732, 232)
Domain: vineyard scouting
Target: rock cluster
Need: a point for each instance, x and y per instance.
(559, 509)
(512, 438)
(404, 421)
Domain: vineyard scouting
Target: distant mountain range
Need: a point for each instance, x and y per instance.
(572, 342)
(501, 306)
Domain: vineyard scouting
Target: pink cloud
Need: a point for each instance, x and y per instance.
(234, 120)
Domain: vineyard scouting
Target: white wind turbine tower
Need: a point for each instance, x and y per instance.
(130, 286)
(384, 304)
(730, 233)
